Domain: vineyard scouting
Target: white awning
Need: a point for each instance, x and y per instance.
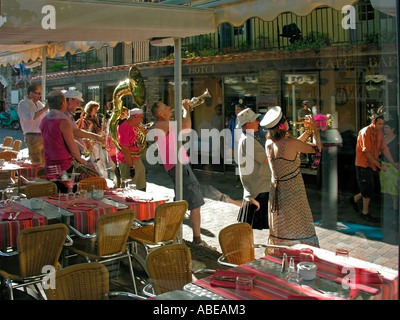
(30, 25)
(386, 6)
(238, 13)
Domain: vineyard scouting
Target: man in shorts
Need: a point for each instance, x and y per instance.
(370, 144)
(167, 151)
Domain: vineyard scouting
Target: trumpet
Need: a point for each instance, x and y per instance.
(197, 101)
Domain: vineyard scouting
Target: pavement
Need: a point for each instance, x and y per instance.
(373, 242)
(217, 215)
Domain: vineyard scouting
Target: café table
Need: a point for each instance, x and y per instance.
(367, 281)
(10, 226)
(81, 214)
(143, 203)
(20, 169)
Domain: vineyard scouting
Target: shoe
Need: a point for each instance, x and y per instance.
(368, 217)
(354, 204)
(205, 245)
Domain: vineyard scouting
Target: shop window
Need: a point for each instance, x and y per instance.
(365, 11)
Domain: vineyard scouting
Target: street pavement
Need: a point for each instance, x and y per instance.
(217, 214)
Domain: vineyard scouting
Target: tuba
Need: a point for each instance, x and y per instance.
(197, 101)
(133, 85)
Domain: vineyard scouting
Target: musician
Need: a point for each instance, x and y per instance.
(131, 166)
(93, 123)
(74, 100)
(59, 146)
(112, 149)
(89, 120)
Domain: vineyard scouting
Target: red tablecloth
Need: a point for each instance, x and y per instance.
(144, 209)
(85, 213)
(29, 171)
(9, 229)
(272, 285)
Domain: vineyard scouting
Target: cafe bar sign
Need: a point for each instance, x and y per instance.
(299, 78)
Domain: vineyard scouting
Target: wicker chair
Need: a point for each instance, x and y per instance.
(109, 243)
(16, 146)
(168, 219)
(8, 155)
(40, 189)
(7, 142)
(98, 183)
(169, 268)
(85, 281)
(237, 244)
(38, 247)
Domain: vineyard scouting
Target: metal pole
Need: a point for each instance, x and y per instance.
(178, 119)
(44, 62)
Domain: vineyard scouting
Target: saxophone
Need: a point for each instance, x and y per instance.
(133, 85)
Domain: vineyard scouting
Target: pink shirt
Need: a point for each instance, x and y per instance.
(55, 149)
(127, 136)
(167, 150)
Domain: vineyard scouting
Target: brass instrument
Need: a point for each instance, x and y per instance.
(197, 101)
(133, 85)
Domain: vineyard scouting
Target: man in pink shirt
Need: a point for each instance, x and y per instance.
(131, 166)
(166, 138)
(370, 143)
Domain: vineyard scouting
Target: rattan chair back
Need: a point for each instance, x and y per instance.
(113, 231)
(17, 144)
(83, 281)
(237, 243)
(169, 267)
(110, 241)
(40, 246)
(8, 155)
(7, 141)
(168, 220)
(98, 183)
(40, 189)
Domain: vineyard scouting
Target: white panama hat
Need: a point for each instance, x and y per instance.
(272, 117)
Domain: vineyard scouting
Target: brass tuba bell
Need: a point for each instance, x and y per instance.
(197, 101)
(133, 85)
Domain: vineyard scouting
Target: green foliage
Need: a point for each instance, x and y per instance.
(58, 66)
(378, 38)
(314, 40)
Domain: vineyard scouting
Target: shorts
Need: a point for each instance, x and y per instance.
(368, 181)
(191, 187)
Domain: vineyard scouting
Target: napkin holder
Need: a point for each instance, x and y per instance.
(307, 270)
(36, 203)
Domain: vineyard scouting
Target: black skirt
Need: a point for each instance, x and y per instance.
(257, 219)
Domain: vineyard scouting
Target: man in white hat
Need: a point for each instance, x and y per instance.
(74, 99)
(131, 167)
(254, 172)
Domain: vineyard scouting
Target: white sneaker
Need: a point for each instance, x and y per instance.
(205, 245)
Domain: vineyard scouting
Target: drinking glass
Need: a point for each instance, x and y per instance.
(244, 283)
(306, 255)
(126, 184)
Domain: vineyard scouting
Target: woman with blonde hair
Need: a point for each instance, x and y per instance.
(92, 122)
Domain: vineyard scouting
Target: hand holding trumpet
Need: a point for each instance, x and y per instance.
(310, 125)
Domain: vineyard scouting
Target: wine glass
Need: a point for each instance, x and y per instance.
(126, 184)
